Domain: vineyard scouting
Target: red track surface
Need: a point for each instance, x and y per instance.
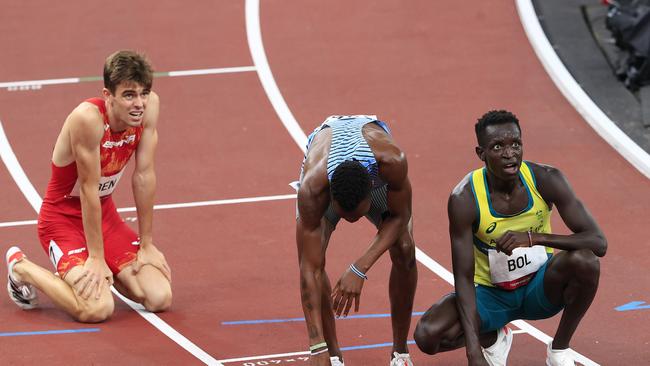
(428, 70)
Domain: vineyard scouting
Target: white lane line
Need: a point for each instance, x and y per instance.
(28, 83)
(215, 202)
(254, 35)
(225, 70)
(170, 332)
(37, 84)
(16, 171)
(18, 223)
(572, 91)
(260, 61)
(263, 357)
(177, 205)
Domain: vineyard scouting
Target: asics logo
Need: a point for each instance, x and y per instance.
(127, 140)
(491, 228)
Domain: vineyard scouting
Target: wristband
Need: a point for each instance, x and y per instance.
(319, 352)
(356, 271)
(317, 346)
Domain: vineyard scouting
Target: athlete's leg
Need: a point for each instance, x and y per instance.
(62, 292)
(401, 287)
(327, 312)
(148, 286)
(571, 279)
(439, 329)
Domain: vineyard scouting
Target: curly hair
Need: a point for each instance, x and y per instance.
(494, 117)
(350, 184)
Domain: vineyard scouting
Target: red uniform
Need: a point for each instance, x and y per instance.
(60, 227)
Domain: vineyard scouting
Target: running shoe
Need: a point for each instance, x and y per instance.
(497, 354)
(335, 361)
(401, 359)
(559, 357)
(22, 294)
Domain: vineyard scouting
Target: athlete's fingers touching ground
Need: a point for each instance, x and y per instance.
(349, 305)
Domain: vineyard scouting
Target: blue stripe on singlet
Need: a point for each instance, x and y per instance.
(348, 144)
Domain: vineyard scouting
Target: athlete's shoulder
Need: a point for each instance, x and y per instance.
(461, 206)
(463, 188)
(544, 172)
(86, 116)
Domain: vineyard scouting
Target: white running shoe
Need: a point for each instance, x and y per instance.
(22, 294)
(335, 361)
(401, 359)
(497, 354)
(559, 357)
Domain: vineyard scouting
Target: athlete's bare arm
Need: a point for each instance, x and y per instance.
(556, 190)
(461, 210)
(84, 129)
(393, 169)
(144, 188)
(313, 200)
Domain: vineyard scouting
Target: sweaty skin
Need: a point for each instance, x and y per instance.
(84, 291)
(313, 232)
(571, 277)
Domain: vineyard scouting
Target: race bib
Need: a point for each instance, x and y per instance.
(515, 270)
(106, 185)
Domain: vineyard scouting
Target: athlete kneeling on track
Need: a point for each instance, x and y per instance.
(78, 225)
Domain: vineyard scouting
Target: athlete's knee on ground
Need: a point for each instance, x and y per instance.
(95, 310)
(158, 299)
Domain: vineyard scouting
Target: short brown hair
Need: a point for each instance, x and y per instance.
(127, 66)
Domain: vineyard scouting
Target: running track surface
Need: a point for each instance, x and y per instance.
(428, 70)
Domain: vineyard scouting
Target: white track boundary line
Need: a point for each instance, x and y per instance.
(224, 70)
(259, 59)
(19, 176)
(177, 205)
(214, 202)
(38, 83)
(572, 91)
(254, 35)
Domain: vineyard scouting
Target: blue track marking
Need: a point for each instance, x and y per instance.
(288, 320)
(369, 346)
(49, 332)
(634, 305)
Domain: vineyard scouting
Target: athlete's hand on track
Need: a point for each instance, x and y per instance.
(320, 360)
(347, 290)
(149, 254)
(511, 240)
(94, 277)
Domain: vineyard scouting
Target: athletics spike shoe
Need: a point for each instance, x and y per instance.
(401, 359)
(558, 357)
(335, 361)
(497, 354)
(23, 294)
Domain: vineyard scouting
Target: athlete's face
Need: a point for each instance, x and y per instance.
(354, 215)
(501, 150)
(127, 104)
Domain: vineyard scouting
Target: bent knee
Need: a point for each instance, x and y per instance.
(158, 301)
(426, 338)
(402, 254)
(585, 263)
(95, 311)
